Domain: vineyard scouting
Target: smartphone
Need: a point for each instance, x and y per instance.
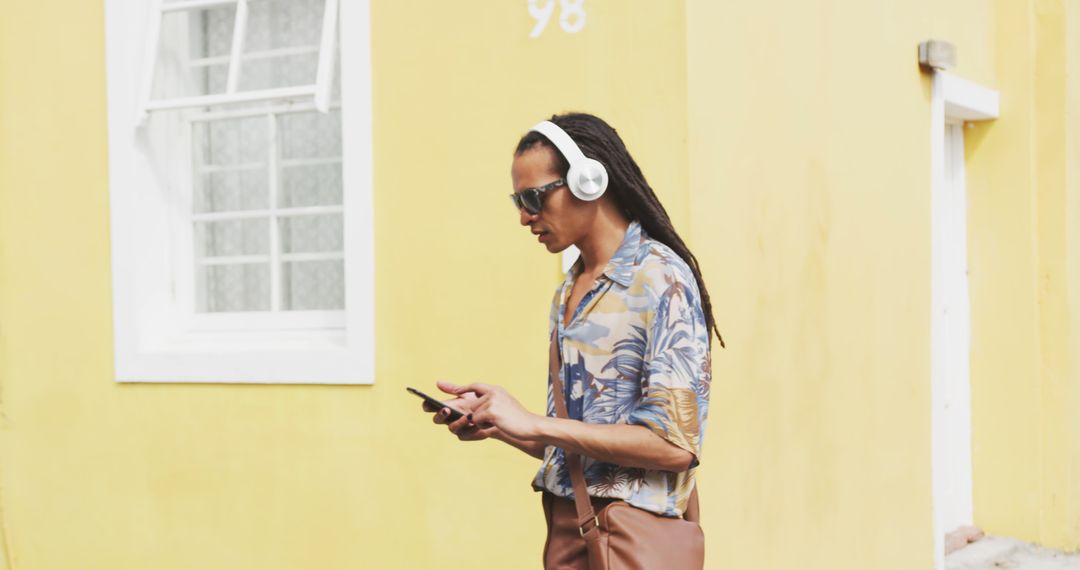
(437, 404)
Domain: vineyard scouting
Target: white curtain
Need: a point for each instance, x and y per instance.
(234, 169)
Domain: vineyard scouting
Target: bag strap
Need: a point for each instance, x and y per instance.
(573, 461)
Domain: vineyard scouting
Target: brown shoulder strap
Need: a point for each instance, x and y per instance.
(573, 461)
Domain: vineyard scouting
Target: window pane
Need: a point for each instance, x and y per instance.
(274, 24)
(281, 47)
(313, 285)
(231, 157)
(226, 288)
(232, 190)
(309, 234)
(310, 185)
(310, 135)
(232, 237)
(231, 141)
(280, 71)
(193, 52)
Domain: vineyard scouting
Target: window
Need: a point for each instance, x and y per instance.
(240, 186)
(207, 52)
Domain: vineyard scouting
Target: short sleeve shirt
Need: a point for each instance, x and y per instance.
(636, 352)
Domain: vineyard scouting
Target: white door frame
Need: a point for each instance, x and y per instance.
(953, 101)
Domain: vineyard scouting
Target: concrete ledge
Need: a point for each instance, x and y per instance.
(997, 553)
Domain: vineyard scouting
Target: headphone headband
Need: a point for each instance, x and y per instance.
(561, 140)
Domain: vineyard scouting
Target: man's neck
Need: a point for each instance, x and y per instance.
(602, 242)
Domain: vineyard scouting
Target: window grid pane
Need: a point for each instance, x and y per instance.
(231, 237)
(274, 24)
(311, 234)
(192, 55)
(310, 184)
(282, 215)
(313, 285)
(235, 287)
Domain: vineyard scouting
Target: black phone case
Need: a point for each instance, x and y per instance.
(454, 414)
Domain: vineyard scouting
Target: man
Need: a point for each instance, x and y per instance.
(631, 324)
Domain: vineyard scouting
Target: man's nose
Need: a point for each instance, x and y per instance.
(527, 218)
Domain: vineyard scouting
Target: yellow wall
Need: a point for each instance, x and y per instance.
(810, 172)
(1005, 354)
(790, 142)
(810, 201)
(1071, 451)
(1048, 131)
(96, 474)
(1024, 249)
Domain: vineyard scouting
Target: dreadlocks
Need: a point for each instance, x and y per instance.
(627, 184)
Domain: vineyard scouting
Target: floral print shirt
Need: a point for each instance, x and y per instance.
(636, 352)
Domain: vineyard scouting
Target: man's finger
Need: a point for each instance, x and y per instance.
(448, 387)
(480, 389)
(475, 433)
(470, 433)
(457, 390)
(442, 416)
(459, 424)
(482, 418)
(482, 404)
(482, 401)
(479, 410)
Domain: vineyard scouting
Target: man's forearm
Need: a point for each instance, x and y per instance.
(533, 448)
(621, 444)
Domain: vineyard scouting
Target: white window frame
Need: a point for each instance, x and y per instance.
(954, 101)
(157, 336)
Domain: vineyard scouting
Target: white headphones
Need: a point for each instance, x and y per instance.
(587, 177)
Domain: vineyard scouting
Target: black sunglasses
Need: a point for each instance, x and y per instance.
(532, 199)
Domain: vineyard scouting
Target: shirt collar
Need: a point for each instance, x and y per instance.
(620, 268)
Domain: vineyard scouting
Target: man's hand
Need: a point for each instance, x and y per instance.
(497, 409)
(465, 403)
(496, 414)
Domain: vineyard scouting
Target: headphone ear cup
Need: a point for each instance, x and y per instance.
(587, 179)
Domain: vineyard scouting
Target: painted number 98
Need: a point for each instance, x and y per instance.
(571, 15)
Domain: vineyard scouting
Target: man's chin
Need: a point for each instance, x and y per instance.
(556, 247)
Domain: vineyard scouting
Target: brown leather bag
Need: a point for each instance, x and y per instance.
(619, 536)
